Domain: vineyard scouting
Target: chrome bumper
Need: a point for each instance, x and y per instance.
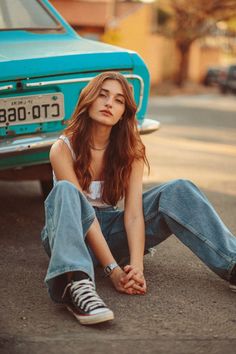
(148, 126)
(42, 142)
(30, 143)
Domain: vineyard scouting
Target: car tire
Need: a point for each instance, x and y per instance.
(46, 187)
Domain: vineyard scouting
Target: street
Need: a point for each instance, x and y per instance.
(187, 309)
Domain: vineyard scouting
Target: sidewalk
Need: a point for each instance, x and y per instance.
(167, 88)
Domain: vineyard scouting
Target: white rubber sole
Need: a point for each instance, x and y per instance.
(232, 287)
(107, 315)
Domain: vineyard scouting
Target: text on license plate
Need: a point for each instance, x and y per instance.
(31, 109)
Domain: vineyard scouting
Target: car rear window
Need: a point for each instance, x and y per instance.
(25, 14)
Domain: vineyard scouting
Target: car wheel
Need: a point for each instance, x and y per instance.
(46, 187)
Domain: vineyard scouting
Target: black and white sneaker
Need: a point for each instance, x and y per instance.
(85, 304)
(232, 287)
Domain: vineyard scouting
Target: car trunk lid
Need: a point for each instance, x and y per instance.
(48, 59)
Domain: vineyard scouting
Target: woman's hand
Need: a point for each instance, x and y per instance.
(135, 279)
(118, 279)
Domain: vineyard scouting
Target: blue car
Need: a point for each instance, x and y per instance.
(44, 64)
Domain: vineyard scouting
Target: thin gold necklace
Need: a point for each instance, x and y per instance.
(98, 149)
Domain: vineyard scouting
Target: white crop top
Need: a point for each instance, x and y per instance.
(95, 189)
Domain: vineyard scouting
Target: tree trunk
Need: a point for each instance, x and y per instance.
(182, 72)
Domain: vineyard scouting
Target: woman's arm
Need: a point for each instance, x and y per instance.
(133, 215)
(102, 252)
(134, 225)
(62, 164)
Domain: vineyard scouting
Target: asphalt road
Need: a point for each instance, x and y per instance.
(187, 309)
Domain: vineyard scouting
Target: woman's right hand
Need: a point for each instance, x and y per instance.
(118, 279)
(135, 278)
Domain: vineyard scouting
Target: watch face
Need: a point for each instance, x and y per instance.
(108, 269)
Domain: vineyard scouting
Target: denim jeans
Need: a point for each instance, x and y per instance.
(177, 207)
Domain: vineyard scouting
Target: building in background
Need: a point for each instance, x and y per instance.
(123, 23)
(133, 25)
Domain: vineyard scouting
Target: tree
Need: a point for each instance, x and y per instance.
(187, 20)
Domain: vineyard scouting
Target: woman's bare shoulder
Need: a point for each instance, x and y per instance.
(59, 146)
(62, 163)
(60, 150)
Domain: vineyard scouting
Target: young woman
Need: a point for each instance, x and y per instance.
(96, 162)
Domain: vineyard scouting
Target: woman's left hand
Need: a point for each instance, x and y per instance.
(134, 279)
(117, 277)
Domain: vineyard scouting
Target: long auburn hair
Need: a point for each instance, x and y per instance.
(124, 146)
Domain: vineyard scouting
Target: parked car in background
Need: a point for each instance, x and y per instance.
(211, 76)
(227, 79)
(44, 65)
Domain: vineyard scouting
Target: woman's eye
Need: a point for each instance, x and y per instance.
(120, 101)
(102, 94)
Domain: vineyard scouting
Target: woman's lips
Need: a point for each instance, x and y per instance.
(107, 113)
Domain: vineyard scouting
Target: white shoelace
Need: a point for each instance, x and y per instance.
(84, 295)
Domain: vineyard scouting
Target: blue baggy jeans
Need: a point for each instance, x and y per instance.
(177, 207)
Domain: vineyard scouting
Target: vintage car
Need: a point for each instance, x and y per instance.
(227, 79)
(211, 76)
(44, 64)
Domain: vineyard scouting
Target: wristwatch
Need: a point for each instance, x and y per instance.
(109, 268)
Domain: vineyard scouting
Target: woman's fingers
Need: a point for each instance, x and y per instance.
(134, 290)
(130, 287)
(129, 291)
(132, 283)
(127, 268)
(139, 288)
(129, 284)
(137, 277)
(129, 275)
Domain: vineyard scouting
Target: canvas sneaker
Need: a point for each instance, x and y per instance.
(232, 287)
(85, 304)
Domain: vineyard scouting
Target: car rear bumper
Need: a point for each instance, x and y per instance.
(24, 144)
(148, 126)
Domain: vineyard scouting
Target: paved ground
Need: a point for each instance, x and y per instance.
(188, 309)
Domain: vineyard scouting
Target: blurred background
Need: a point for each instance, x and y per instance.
(187, 45)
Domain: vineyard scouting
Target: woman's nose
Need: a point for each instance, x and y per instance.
(109, 102)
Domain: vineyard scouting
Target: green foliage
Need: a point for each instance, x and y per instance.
(187, 20)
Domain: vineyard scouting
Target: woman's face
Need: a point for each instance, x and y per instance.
(109, 106)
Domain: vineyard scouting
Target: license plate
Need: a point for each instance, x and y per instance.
(31, 109)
